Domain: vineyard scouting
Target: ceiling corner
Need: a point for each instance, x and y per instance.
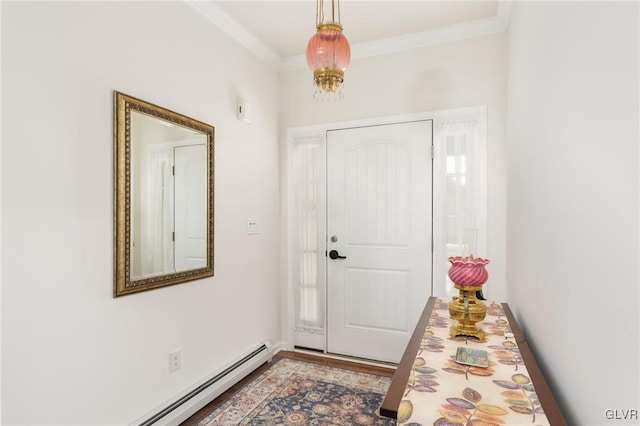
(237, 32)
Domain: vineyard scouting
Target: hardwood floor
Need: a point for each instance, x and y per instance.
(357, 366)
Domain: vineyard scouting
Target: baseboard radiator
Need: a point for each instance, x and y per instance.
(183, 407)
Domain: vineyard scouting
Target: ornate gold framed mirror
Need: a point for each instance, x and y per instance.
(163, 197)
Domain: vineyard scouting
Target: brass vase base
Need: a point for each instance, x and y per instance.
(466, 330)
(468, 311)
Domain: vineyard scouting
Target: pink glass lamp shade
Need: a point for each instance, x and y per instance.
(468, 271)
(328, 56)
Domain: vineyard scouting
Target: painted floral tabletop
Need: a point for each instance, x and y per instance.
(442, 392)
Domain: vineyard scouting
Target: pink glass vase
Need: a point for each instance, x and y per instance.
(328, 48)
(468, 271)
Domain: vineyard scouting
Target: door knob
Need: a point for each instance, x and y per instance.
(335, 255)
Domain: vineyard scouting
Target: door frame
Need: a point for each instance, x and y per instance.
(319, 132)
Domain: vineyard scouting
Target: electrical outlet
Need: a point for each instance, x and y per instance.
(175, 360)
(252, 227)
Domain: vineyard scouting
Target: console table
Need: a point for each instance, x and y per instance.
(431, 388)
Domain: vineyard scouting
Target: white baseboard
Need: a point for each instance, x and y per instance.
(187, 403)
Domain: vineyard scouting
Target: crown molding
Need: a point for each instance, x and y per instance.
(236, 31)
(412, 41)
(225, 23)
(504, 9)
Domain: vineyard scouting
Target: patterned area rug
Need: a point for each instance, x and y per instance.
(293, 392)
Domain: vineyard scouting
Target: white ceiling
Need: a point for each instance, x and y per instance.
(278, 31)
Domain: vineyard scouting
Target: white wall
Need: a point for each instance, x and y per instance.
(572, 267)
(458, 74)
(71, 353)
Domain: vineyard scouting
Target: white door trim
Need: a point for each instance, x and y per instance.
(319, 131)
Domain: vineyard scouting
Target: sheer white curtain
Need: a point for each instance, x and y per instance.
(157, 212)
(459, 194)
(308, 234)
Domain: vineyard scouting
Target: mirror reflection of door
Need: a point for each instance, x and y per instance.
(190, 179)
(160, 201)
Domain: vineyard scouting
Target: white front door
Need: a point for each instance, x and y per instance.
(379, 198)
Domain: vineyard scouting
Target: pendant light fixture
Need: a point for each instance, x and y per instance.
(328, 53)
